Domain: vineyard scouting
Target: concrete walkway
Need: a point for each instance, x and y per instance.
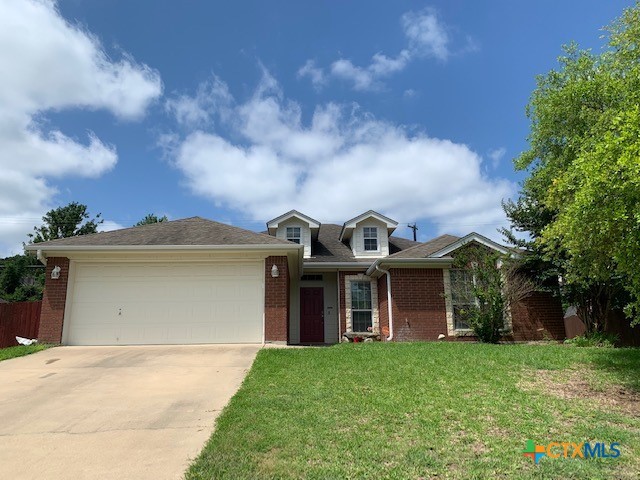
(114, 412)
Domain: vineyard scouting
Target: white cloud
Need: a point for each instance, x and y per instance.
(496, 156)
(426, 34)
(361, 78)
(339, 164)
(315, 74)
(426, 37)
(212, 96)
(48, 64)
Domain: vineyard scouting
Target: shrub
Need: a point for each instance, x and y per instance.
(594, 339)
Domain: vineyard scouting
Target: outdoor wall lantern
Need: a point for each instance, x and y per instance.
(55, 273)
(275, 273)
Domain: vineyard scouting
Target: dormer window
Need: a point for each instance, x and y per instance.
(297, 228)
(368, 234)
(294, 235)
(370, 239)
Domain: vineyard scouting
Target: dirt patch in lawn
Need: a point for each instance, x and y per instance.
(572, 385)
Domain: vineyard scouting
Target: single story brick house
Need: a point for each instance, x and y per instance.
(300, 282)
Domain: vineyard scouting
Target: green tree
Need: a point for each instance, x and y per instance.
(63, 222)
(151, 218)
(581, 200)
(19, 282)
(492, 285)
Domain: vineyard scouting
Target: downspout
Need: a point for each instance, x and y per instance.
(264, 330)
(339, 319)
(389, 306)
(264, 303)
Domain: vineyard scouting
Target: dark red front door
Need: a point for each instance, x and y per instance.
(311, 315)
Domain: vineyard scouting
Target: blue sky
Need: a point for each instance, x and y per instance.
(240, 111)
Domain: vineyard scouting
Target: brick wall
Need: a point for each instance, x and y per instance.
(419, 311)
(276, 302)
(53, 301)
(383, 307)
(536, 317)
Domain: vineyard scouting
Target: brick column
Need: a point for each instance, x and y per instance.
(276, 300)
(53, 301)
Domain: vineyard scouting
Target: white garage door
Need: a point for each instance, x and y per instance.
(138, 304)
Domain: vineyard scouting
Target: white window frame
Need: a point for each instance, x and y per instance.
(451, 324)
(366, 237)
(355, 310)
(294, 238)
(375, 317)
(453, 304)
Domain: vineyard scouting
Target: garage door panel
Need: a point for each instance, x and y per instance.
(166, 304)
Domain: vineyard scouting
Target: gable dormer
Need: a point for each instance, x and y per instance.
(368, 234)
(295, 227)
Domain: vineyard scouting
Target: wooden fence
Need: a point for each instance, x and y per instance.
(628, 336)
(20, 319)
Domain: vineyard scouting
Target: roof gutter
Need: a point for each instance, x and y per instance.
(134, 248)
(410, 262)
(345, 265)
(389, 305)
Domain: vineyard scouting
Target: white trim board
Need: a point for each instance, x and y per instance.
(472, 237)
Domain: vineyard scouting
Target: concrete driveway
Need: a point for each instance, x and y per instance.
(114, 412)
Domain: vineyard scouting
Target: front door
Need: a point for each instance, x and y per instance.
(311, 315)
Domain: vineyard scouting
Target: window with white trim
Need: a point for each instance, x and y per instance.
(462, 297)
(361, 306)
(294, 235)
(370, 238)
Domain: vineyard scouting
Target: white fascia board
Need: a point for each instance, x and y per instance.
(390, 223)
(121, 248)
(81, 251)
(349, 225)
(472, 237)
(409, 263)
(335, 265)
(293, 213)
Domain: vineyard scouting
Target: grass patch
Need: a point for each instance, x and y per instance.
(20, 351)
(424, 410)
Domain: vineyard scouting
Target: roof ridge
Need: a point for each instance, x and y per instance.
(164, 230)
(86, 235)
(227, 225)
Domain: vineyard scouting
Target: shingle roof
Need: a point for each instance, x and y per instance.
(398, 244)
(423, 250)
(329, 248)
(188, 231)
(200, 231)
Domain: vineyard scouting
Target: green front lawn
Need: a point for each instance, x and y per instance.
(425, 410)
(20, 351)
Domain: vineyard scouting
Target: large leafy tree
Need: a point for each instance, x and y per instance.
(581, 200)
(151, 218)
(20, 279)
(63, 222)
